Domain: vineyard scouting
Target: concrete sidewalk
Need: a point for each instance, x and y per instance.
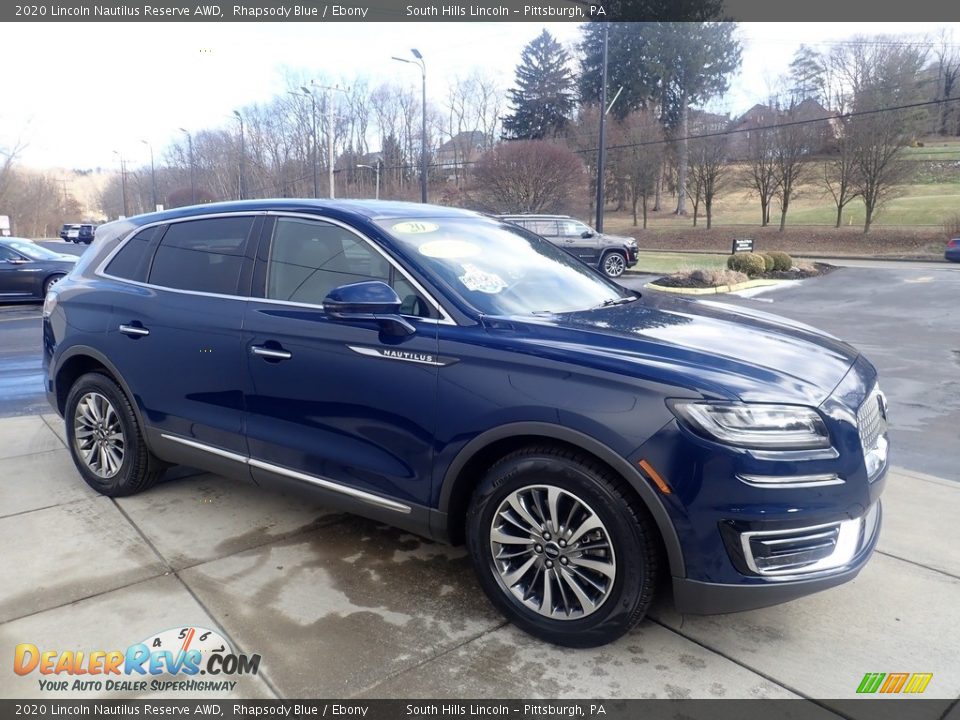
(343, 607)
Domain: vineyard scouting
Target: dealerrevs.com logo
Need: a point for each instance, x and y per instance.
(172, 660)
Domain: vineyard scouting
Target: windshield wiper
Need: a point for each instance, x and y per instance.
(616, 301)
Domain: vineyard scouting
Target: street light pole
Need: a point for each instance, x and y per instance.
(376, 170)
(193, 185)
(240, 194)
(330, 160)
(419, 61)
(153, 174)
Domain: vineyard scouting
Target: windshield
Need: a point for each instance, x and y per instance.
(33, 251)
(501, 269)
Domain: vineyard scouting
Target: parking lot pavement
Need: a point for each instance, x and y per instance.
(338, 606)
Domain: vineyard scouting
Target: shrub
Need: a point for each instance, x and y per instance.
(767, 262)
(781, 261)
(749, 263)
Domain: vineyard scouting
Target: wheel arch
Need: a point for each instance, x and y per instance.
(479, 454)
(79, 360)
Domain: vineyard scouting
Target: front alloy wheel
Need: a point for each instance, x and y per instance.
(552, 552)
(562, 546)
(614, 264)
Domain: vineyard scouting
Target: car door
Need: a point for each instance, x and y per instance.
(332, 404)
(585, 248)
(175, 334)
(18, 274)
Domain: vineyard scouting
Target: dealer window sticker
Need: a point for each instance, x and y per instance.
(415, 227)
(477, 280)
(449, 249)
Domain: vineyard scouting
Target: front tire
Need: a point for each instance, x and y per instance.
(614, 264)
(105, 439)
(50, 282)
(562, 547)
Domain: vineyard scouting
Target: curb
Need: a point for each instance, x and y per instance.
(713, 290)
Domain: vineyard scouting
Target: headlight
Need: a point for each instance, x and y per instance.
(763, 427)
(49, 303)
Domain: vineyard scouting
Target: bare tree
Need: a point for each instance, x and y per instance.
(839, 174)
(527, 176)
(709, 170)
(641, 160)
(947, 54)
(762, 169)
(792, 146)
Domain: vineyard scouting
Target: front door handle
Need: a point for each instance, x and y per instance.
(134, 330)
(269, 353)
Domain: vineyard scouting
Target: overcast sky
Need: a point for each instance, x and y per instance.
(74, 93)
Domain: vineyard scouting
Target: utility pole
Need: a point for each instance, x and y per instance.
(193, 185)
(243, 152)
(330, 118)
(376, 170)
(601, 150)
(123, 183)
(153, 175)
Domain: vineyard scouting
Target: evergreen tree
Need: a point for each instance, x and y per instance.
(666, 66)
(544, 96)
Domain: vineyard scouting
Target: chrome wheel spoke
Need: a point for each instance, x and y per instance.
(603, 568)
(514, 576)
(591, 522)
(587, 605)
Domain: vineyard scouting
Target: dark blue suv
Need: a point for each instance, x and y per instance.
(466, 380)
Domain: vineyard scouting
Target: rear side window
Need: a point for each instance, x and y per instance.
(202, 255)
(133, 260)
(546, 228)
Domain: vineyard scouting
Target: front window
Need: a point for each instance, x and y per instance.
(32, 251)
(501, 269)
(573, 228)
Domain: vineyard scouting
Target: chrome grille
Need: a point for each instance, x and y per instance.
(870, 420)
(793, 551)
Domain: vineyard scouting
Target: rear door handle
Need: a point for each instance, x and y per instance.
(134, 330)
(271, 353)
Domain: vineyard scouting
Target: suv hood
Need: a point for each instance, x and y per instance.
(712, 348)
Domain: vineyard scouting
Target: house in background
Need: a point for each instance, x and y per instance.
(823, 124)
(461, 150)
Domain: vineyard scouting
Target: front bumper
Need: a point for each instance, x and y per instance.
(705, 598)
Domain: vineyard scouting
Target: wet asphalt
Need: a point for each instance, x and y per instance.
(905, 318)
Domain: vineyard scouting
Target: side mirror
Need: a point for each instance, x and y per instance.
(370, 300)
(586, 234)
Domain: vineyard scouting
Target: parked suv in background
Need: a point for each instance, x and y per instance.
(613, 254)
(459, 377)
(78, 233)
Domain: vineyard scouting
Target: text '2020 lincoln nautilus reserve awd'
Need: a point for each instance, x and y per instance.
(450, 374)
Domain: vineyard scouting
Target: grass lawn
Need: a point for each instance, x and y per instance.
(663, 263)
(916, 205)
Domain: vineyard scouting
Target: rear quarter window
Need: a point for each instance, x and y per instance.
(133, 260)
(202, 255)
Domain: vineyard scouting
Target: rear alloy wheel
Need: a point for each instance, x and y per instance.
(614, 264)
(105, 439)
(50, 282)
(562, 547)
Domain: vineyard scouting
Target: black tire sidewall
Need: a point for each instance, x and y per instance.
(617, 613)
(119, 484)
(50, 282)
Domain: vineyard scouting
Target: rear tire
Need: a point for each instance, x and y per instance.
(105, 439)
(580, 588)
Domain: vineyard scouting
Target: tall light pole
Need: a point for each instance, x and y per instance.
(238, 116)
(376, 170)
(123, 182)
(419, 61)
(193, 185)
(601, 152)
(313, 135)
(153, 175)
